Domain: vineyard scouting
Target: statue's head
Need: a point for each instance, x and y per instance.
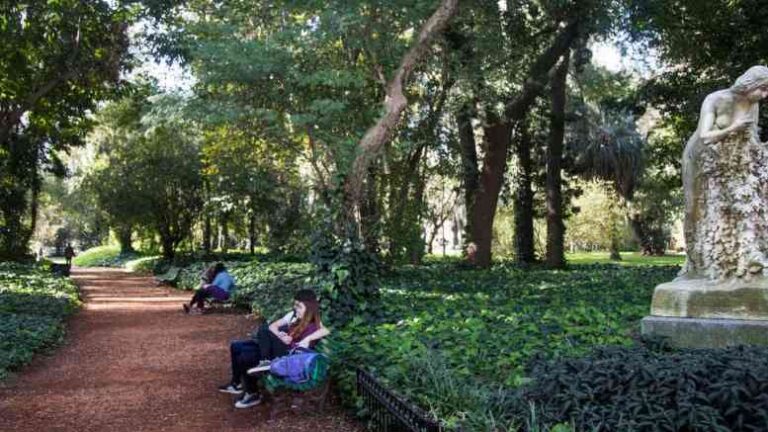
(753, 83)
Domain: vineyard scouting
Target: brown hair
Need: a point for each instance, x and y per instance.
(754, 78)
(311, 315)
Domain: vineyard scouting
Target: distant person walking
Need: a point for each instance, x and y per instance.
(69, 253)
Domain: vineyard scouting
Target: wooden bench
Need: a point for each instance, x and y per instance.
(60, 269)
(221, 306)
(170, 277)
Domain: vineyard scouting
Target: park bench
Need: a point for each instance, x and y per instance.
(213, 305)
(170, 277)
(285, 395)
(60, 269)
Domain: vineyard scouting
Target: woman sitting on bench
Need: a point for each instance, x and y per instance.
(300, 328)
(217, 283)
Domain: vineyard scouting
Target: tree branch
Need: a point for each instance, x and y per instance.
(394, 103)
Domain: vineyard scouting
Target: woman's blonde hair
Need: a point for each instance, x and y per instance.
(755, 77)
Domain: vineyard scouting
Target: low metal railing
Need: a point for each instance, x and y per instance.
(389, 413)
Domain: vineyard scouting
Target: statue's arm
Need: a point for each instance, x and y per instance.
(708, 132)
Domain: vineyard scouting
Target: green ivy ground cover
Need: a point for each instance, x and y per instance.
(456, 341)
(33, 306)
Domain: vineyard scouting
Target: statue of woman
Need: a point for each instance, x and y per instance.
(725, 180)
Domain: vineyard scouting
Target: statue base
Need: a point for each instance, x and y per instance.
(700, 313)
(702, 298)
(706, 333)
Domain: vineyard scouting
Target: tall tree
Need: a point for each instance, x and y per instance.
(555, 223)
(57, 61)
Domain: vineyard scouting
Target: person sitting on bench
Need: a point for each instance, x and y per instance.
(302, 327)
(219, 288)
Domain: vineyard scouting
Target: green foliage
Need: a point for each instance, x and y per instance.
(150, 169)
(346, 277)
(641, 389)
(58, 60)
(145, 264)
(599, 221)
(104, 256)
(33, 306)
(487, 326)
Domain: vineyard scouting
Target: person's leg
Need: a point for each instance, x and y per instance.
(199, 298)
(247, 360)
(242, 353)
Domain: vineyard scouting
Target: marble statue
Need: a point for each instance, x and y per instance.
(725, 180)
(721, 296)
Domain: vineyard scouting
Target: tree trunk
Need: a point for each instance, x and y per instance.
(416, 240)
(525, 249)
(555, 225)
(252, 233)
(168, 248)
(470, 172)
(224, 239)
(615, 234)
(369, 213)
(124, 238)
(394, 105)
(491, 179)
(207, 233)
(493, 170)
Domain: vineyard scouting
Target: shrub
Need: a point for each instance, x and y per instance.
(33, 305)
(104, 256)
(145, 264)
(640, 389)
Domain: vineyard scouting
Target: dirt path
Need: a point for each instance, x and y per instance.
(134, 362)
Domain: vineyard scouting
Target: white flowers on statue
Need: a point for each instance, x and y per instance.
(725, 180)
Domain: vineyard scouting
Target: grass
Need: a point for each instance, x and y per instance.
(104, 256)
(627, 259)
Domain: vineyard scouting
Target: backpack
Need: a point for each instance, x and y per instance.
(295, 367)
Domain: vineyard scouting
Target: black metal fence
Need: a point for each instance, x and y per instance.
(388, 413)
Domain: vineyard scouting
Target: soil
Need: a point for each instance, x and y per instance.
(133, 361)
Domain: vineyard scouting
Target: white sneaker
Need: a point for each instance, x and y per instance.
(231, 389)
(248, 400)
(263, 366)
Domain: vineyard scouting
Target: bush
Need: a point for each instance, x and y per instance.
(104, 256)
(146, 265)
(33, 306)
(639, 389)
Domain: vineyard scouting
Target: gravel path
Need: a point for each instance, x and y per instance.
(134, 362)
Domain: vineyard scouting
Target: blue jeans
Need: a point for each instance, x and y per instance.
(244, 354)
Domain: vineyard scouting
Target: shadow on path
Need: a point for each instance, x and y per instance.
(134, 362)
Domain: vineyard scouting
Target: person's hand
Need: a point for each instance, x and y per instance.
(742, 124)
(303, 344)
(287, 339)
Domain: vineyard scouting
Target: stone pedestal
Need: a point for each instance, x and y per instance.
(707, 314)
(706, 333)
